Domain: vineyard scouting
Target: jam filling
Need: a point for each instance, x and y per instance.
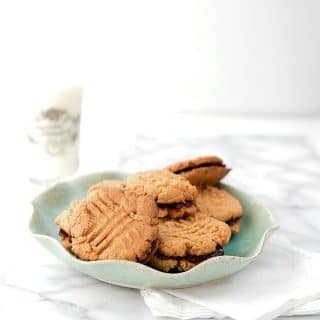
(175, 205)
(196, 259)
(64, 235)
(202, 165)
(233, 221)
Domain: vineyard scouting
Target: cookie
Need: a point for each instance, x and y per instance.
(234, 225)
(105, 183)
(183, 243)
(173, 194)
(178, 264)
(111, 223)
(221, 205)
(202, 170)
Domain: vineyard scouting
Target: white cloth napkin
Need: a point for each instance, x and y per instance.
(283, 280)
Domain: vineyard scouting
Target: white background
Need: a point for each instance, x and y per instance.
(219, 57)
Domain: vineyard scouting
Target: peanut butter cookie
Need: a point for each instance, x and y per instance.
(202, 170)
(183, 243)
(106, 183)
(221, 205)
(173, 194)
(111, 223)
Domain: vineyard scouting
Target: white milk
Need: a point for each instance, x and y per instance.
(53, 133)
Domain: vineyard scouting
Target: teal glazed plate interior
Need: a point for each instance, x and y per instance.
(243, 248)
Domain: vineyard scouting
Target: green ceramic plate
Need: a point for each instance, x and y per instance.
(257, 222)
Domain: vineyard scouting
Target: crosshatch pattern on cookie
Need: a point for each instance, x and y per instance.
(113, 223)
(195, 235)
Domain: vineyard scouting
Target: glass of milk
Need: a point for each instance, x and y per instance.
(53, 133)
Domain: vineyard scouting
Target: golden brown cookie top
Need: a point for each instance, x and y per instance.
(194, 235)
(164, 186)
(218, 203)
(106, 183)
(111, 223)
(201, 170)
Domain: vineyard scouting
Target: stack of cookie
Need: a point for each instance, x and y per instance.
(170, 219)
(204, 173)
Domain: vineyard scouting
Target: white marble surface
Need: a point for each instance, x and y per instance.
(277, 160)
